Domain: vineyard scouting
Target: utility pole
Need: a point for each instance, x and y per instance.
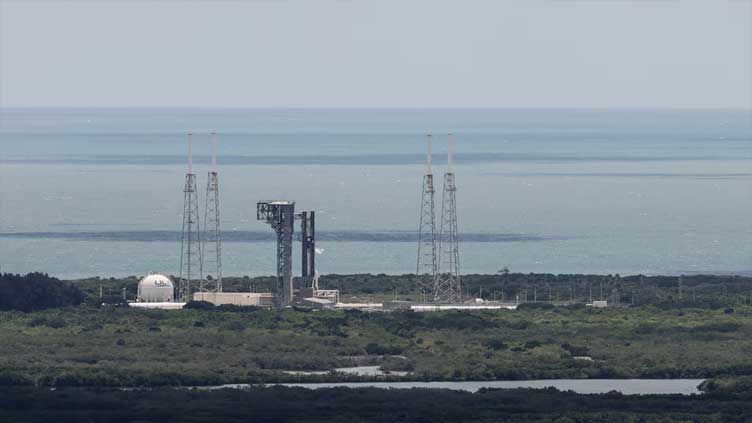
(574, 291)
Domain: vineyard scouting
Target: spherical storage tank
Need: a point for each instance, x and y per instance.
(155, 288)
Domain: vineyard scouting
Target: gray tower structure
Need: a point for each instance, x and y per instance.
(281, 216)
(426, 267)
(191, 268)
(308, 246)
(212, 245)
(447, 286)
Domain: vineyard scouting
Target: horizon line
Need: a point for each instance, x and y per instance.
(355, 108)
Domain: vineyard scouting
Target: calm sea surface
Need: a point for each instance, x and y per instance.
(87, 192)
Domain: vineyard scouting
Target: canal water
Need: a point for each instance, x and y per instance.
(580, 386)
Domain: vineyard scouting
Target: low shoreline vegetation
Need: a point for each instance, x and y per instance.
(281, 404)
(120, 346)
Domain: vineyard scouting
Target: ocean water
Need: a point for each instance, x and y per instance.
(87, 192)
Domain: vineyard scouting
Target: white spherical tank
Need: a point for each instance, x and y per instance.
(155, 288)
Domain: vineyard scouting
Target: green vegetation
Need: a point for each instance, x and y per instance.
(728, 386)
(661, 327)
(698, 326)
(279, 404)
(36, 291)
(117, 346)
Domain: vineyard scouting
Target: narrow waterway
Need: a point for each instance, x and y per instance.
(580, 386)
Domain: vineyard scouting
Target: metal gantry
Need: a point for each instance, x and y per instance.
(447, 286)
(281, 216)
(427, 265)
(190, 249)
(212, 245)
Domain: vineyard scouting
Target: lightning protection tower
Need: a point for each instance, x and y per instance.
(426, 267)
(212, 246)
(190, 249)
(447, 286)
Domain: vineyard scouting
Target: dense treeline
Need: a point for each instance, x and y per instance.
(739, 385)
(280, 404)
(36, 291)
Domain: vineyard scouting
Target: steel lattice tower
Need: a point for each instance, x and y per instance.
(426, 267)
(447, 287)
(190, 249)
(212, 246)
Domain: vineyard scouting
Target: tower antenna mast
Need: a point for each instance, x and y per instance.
(212, 250)
(447, 285)
(190, 240)
(427, 265)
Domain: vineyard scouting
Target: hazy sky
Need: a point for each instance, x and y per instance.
(435, 53)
